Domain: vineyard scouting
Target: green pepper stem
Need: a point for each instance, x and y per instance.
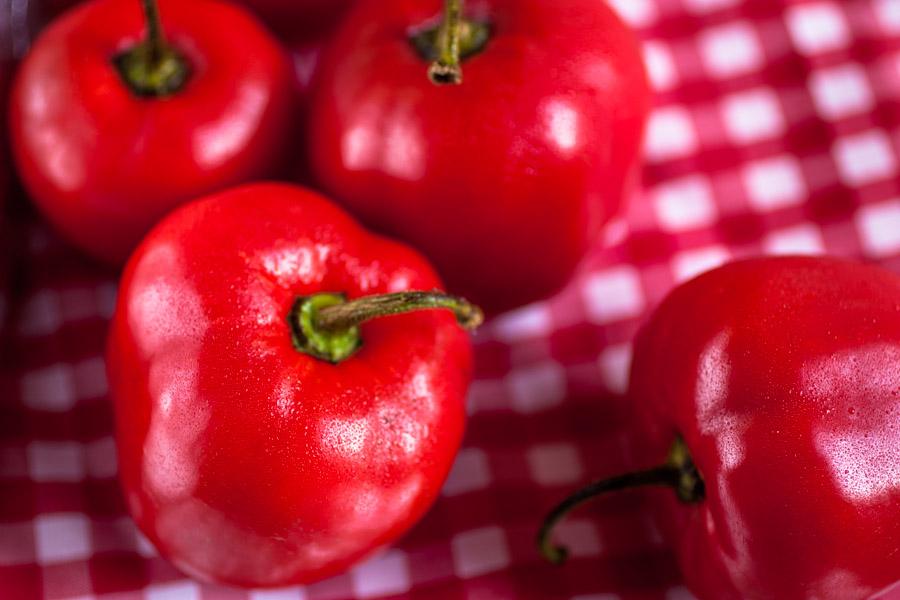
(326, 325)
(445, 70)
(355, 312)
(660, 476)
(156, 39)
(678, 473)
(450, 42)
(152, 68)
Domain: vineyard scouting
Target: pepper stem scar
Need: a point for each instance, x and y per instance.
(152, 68)
(326, 325)
(678, 472)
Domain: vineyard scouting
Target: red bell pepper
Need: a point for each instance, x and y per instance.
(505, 176)
(773, 385)
(268, 434)
(117, 117)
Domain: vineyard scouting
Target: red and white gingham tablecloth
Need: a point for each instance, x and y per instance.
(777, 130)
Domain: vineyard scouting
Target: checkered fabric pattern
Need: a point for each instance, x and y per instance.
(777, 130)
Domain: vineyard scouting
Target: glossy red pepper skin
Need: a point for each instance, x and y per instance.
(242, 459)
(104, 164)
(506, 180)
(782, 375)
